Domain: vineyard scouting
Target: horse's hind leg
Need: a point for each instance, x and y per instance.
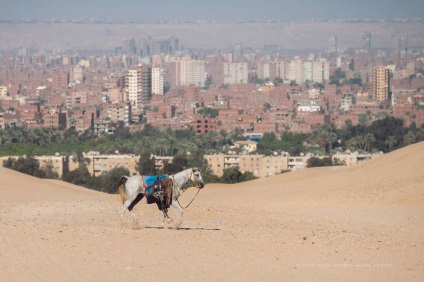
(129, 205)
(124, 209)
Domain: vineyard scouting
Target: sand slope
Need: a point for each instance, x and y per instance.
(336, 223)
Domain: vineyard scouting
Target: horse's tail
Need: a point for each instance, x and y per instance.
(121, 188)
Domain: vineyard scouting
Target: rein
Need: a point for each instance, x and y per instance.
(184, 189)
(198, 190)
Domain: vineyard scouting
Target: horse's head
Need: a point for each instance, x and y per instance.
(196, 177)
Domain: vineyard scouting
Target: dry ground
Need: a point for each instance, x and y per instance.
(362, 223)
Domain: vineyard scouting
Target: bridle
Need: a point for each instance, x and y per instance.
(196, 181)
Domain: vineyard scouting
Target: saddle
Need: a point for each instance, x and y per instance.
(158, 189)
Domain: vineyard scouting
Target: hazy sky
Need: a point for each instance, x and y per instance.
(142, 10)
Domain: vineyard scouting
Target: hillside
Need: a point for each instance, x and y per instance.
(364, 222)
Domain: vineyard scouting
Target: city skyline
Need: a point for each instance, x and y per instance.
(190, 10)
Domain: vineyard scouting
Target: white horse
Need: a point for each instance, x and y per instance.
(132, 191)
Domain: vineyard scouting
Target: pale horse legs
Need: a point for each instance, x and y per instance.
(179, 210)
(174, 204)
(126, 208)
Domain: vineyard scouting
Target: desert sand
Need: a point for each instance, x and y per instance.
(359, 223)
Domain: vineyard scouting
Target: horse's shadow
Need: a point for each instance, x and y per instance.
(183, 228)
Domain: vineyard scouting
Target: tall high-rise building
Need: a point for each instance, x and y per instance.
(332, 43)
(229, 73)
(157, 81)
(366, 41)
(186, 72)
(316, 71)
(138, 86)
(402, 46)
(77, 74)
(60, 80)
(380, 84)
(296, 71)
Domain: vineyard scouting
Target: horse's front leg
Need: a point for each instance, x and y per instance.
(179, 210)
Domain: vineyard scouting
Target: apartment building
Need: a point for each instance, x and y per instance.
(186, 72)
(138, 86)
(117, 112)
(60, 80)
(57, 163)
(259, 165)
(296, 70)
(97, 164)
(224, 73)
(380, 84)
(157, 81)
(3, 91)
(332, 43)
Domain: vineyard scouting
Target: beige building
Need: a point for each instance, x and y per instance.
(187, 72)
(352, 158)
(380, 84)
(247, 146)
(138, 86)
(157, 81)
(3, 91)
(259, 165)
(59, 164)
(97, 164)
(229, 73)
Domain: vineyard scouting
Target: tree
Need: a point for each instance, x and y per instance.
(369, 139)
(146, 164)
(106, 182)
(231, 175)
(324, 137)
(28, 165)
(293, 142)
(409, 138)
(247, 176)
(390, 142)
(363, 118)
(337, 76)
(317, 162)
(267, 107)
(79, 176)
(277, 81)
(384, 128)
(49, 171)
(209, 112)
(178, 164)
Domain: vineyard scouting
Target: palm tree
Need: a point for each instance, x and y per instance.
(409, 138)
(369, 139)
(351, 143)
(390, 142)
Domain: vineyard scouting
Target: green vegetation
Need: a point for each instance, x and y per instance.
(316, 162)
(234, 175)
(209, 112)
(106, 182)
(29, 165)
(385, 134)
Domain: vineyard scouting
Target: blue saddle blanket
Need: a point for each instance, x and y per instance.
(149, 181)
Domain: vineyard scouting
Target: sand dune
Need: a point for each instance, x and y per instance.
(336, 223)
